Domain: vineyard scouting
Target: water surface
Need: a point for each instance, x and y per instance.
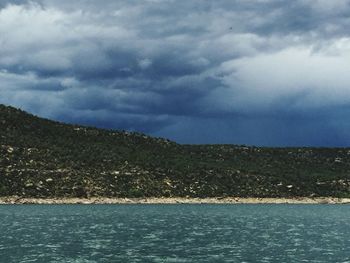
(175, 233)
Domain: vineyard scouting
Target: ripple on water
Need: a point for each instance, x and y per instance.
(176, 233)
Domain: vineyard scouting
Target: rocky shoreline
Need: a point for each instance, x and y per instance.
(175, 200)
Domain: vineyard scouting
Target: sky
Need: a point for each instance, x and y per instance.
(254, 72)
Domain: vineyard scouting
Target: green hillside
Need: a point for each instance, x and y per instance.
(42, 158)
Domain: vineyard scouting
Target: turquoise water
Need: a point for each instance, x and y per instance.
(175, 233)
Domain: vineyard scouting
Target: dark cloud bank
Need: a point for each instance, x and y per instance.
(263, 72)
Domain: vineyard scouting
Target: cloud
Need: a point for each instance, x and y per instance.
(294, 79)
(225, 71)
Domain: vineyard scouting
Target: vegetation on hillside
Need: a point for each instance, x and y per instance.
(42, 158)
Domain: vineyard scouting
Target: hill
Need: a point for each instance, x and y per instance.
(43, 158)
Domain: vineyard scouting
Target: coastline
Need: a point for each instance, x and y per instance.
(175, 200)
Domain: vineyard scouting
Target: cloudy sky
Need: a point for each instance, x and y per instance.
(256, 72)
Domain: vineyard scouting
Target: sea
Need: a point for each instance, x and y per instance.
(175, 233)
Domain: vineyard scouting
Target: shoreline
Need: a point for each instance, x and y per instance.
(175, 200)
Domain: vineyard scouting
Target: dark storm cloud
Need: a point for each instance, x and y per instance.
(4, 3)
(246, 71)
